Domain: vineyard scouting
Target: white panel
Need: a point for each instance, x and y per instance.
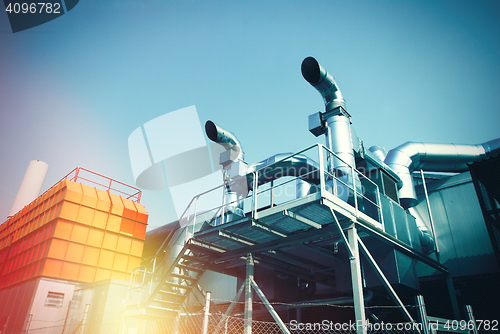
(174, 133)
(138, 152)
(31, 185)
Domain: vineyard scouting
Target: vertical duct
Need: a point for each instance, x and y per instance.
(233, 165)
(30, 186)
(334, 122)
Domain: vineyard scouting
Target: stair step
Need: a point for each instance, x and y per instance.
(150, 313)
(206, 249)
(189, 278)
(163, 308)
(195, 259)
(167, 302)
(183, 266)
(174, 285)
(173, 294)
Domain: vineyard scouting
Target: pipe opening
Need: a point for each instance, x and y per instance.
(211, 130)
(311, 70)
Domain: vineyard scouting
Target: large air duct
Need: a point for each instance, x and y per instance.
(320, 79)
(234, 168)
(225, 138)
(410, 156)
(334, 122)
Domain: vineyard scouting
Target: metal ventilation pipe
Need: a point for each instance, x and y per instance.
(319, 78)
(410, 156)
(427, 241)
(335, 122)
(379, 152)
(233, 167)
(225, 138)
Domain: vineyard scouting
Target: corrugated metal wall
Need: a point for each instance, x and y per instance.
(464, 245)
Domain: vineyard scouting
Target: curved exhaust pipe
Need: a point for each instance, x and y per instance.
(410, 156)
(335, 123)
(320, 79)
(224, 137)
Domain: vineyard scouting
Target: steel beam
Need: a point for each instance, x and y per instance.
(323, 233)
(453, 297)
(341, 231)
(236, 237)
(357, 285)
(248, 295)
(422, 314)
(268, 229)
(301, 219)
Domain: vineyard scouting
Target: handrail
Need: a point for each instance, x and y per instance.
(190, 217)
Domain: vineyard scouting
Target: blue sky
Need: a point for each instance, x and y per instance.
(73, 90)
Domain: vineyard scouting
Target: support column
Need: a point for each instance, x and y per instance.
(357, 284)
(207, 313)
(422, 315)
(248, 294)
(453, 296)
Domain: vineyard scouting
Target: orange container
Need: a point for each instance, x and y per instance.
(73, 232)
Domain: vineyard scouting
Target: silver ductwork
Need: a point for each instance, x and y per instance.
(320, 79)
(410, 156)
(225, 138)
(427, 241)
(234, 168)
(281, 165)
(379, 152)
(334, 122)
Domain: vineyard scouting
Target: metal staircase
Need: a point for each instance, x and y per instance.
(181, 278)
(160, 289)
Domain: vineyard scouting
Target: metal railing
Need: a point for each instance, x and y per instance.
(102, 182)
(267, 188)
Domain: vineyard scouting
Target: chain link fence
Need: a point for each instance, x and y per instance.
(218, 324)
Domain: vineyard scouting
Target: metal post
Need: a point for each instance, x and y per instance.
(248, 295)
(471, 319)
(453, 296)
(357, 285)
(379, 205)
(84, 320)
(321, 171)
(422, 315)
(65, 319)
(207, 309)
(254, 195)
(223, 204)
(430, 215)
(354, 191)
(272, 194)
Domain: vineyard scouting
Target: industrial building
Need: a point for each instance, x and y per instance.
(336, 232)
